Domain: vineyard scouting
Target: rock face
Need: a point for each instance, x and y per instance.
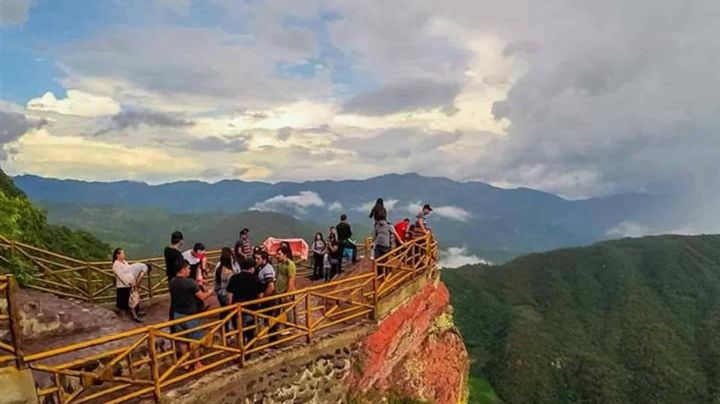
(415, 353)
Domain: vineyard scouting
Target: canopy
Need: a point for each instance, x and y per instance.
(298, 246)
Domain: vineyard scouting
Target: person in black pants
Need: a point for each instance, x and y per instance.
(344, 232)
(319, 249)
(173, 261)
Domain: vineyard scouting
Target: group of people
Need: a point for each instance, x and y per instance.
(245, 273)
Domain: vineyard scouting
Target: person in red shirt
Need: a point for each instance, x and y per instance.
(401, 228)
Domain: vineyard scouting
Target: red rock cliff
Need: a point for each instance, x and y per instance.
(415, 353)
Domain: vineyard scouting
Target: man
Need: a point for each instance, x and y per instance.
(344, 232)
(266, 276)
(243, 247)
(401, 229)
(173, 260)
(383, 235)
(421, 218)
(245, 286)
(198, 262)
(184, 297)
(173, 256)
(286, 271)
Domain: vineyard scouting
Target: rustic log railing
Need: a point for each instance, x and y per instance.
(10, 347)
(147, 360)
(92, 281)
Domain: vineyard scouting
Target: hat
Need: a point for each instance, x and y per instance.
(427, 207)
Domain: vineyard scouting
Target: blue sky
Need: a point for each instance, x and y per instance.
(582, 100)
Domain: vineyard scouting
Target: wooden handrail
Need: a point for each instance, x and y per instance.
(148, 369)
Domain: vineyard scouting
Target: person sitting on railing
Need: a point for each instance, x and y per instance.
(245, 286)
(319, 249)
(128, 277)
(186, 299)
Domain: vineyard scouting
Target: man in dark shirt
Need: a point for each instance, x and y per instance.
(184, 297)
(173, 261)
(173, 255)
(245, 286)
(344, 232)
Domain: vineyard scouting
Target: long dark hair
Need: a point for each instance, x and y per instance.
(321, 237)
(378, 212)
(226, 259)
(116, 253)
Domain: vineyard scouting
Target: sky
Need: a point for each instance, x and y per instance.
(581, 98)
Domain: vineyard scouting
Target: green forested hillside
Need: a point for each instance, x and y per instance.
(21, 221)
(626, 321)
(144, 232)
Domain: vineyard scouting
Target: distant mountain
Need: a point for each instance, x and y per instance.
(626, 321)
(472, 214)
(145, 232)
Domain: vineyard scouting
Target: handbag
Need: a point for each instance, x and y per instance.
(134, 299)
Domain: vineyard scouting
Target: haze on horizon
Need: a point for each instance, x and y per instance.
(578, 98)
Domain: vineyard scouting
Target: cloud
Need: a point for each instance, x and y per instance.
(14, 12)
(76, 102)
(455, 257)
(193, 67)
(629, 229)
(298, 203)
(135, 118)
(13, 125)
(451, 212)
(335, 207)
(218, 144)
(404, 97)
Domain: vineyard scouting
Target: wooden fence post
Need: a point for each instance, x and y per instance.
(13, 311)
(154, 365)
(308, 317)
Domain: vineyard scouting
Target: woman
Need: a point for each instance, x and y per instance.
(378, 212)
(335, 257)
(223, 271)
(319, 249)
(127, 277)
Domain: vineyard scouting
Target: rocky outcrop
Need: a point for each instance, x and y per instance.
(413, 354)
(416, 353)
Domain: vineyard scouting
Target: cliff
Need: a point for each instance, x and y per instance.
(413, 354)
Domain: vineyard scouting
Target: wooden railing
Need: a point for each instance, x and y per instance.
(147, 360)
(10, 347)
(92, 281)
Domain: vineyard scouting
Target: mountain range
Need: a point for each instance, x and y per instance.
(622, 321)
(490, 222)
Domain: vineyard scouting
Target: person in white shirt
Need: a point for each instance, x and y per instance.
(127, 277)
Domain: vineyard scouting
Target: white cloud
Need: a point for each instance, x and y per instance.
(14, 12)
(75, 103)
(298, 203)
(335, 207)
(629, 229)
(455, 257)
(452, 212)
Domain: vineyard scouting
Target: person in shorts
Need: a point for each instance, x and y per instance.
(184, 297)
